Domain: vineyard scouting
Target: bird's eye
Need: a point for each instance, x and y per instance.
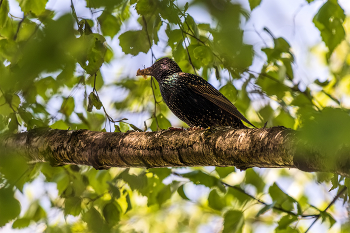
(164, 66)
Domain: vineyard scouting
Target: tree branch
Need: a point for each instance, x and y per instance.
(244, 148)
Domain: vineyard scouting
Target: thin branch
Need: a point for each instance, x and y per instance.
(330, 204)
(331, 97)
(155, 102)
(74, 12)
(152, 80)
(184, 39)
(9, 103)
(149, 39)
(18, 27)
(257, 199)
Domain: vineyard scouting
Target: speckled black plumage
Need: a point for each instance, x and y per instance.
(192, 99)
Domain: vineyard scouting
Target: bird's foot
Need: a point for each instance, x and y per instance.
(195, 128)
(176, 129)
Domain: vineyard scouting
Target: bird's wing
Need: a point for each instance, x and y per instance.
(206, 90)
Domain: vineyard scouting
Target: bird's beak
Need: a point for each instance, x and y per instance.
(144, 72)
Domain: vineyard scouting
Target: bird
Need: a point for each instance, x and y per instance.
(191, 98)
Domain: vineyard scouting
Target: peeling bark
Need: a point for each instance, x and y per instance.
(244, 148)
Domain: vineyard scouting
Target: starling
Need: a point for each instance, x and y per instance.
(191, 98)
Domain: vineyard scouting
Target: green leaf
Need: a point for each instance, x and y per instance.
(60, 124)
(224, 171)
(35, 212)
(96, 80)
(127, 198)
(62, 181)
(335, 182)
(72, 206)
(68, 106)
(314, 131)
(254, 3)
(94, 101)
(21, 223)
(216, 201)
(204, 55)
(35, 6)
(17, 177)
(272, 86)
(287, 230)
(175, 37)
(329, 21)
(144, 7)
(111, 212)
(322, 84)
(192, 26)
(136, 182)
(301, 100)
(199, 177)
(162, 173)
(108, 4)
(26, 30)
(95, 51)
(238, 195)
(181, 192)
(186, 7)
(4, 10)
(110, 25)
(286, 221)
(327, 216)
(163, 123)
(124, 127)
(254, 179)
(284, 119)
(164, 195)
(134, 42)
(233, 221)
(281, 199)
(94, 220)
(9, 206)
(44, 84)
(264, 209)
(229, 91)
(99, 180)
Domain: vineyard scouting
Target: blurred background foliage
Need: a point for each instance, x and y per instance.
(54, 73)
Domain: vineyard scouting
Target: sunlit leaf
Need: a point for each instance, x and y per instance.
(329, 21)
(224, 171)
(254, 3)
(233, 221)
(134, 42)
(9, 203)
(111, 212)
(110, 25)
(35, 6)
(216, 201)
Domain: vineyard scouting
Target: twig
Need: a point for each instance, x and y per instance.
(74, 12)
(6, 101)
(149, 39)
(258, 200)
(155, 103)
(18, 27)
(152, 80)
(184, 39)
(330, 204)
(331, 97)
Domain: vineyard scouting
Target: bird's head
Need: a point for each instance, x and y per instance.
(161, 68)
